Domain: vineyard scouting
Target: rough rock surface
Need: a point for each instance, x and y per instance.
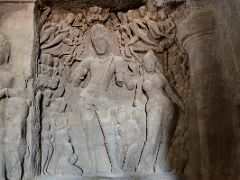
(151, 93)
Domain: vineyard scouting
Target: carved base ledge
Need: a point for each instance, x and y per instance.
(163, 176)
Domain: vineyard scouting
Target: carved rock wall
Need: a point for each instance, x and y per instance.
(212, 34)
(59, 87)
(17, 109)
(69, 66)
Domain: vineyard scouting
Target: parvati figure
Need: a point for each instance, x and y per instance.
(160, 116)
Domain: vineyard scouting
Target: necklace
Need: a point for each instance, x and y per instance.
(104, 60)
(150, 77)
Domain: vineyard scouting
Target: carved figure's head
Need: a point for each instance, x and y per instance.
(152, 7)
(149, 61)
(122, 17)
(162, 14)
(131, 15)
(70, 18)
(143, 11)
(5, 49)
(99, 38)
(95, 10)
(55, 18)
(80, 16)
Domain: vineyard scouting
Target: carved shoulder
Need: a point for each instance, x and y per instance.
(118, 60)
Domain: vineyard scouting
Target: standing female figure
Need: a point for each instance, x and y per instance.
(160, 116)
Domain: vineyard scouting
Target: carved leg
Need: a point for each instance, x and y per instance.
(109, 137)
(50, 153)
(2, 149)
(149, 154)
(2, 160)
(45, 157)
(87, 115)
(162, 155)
(13, 164)
(132, 158)
(167, 132)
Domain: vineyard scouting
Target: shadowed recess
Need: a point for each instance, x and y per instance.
(112, 4)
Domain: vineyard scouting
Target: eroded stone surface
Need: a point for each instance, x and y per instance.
(104, 92)
(116, 73)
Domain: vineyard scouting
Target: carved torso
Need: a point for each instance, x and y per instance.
(153, 86)
(101, 72)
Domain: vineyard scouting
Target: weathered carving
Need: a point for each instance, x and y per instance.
(94, 98)
(13, 117)
(119, 75)
(47, 146)
(160, 116)
(67, 157)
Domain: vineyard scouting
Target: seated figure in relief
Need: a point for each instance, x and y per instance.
(95, 99)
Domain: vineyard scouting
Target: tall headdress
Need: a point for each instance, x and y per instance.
(5, 48)
(99, 31)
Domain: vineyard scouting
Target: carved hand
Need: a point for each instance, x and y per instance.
(3, 92)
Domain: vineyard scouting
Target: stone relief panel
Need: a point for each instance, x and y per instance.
(14, 114)
(111, 89)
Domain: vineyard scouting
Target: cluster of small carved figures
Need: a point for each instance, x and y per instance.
(152, 64)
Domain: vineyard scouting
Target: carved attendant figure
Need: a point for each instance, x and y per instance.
(160, 116)
(67, 158)
(64, 33)
(138, 29)
(94, 99)
(47, 146)
(13, 114)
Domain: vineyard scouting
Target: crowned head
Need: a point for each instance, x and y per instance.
(99, 38)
